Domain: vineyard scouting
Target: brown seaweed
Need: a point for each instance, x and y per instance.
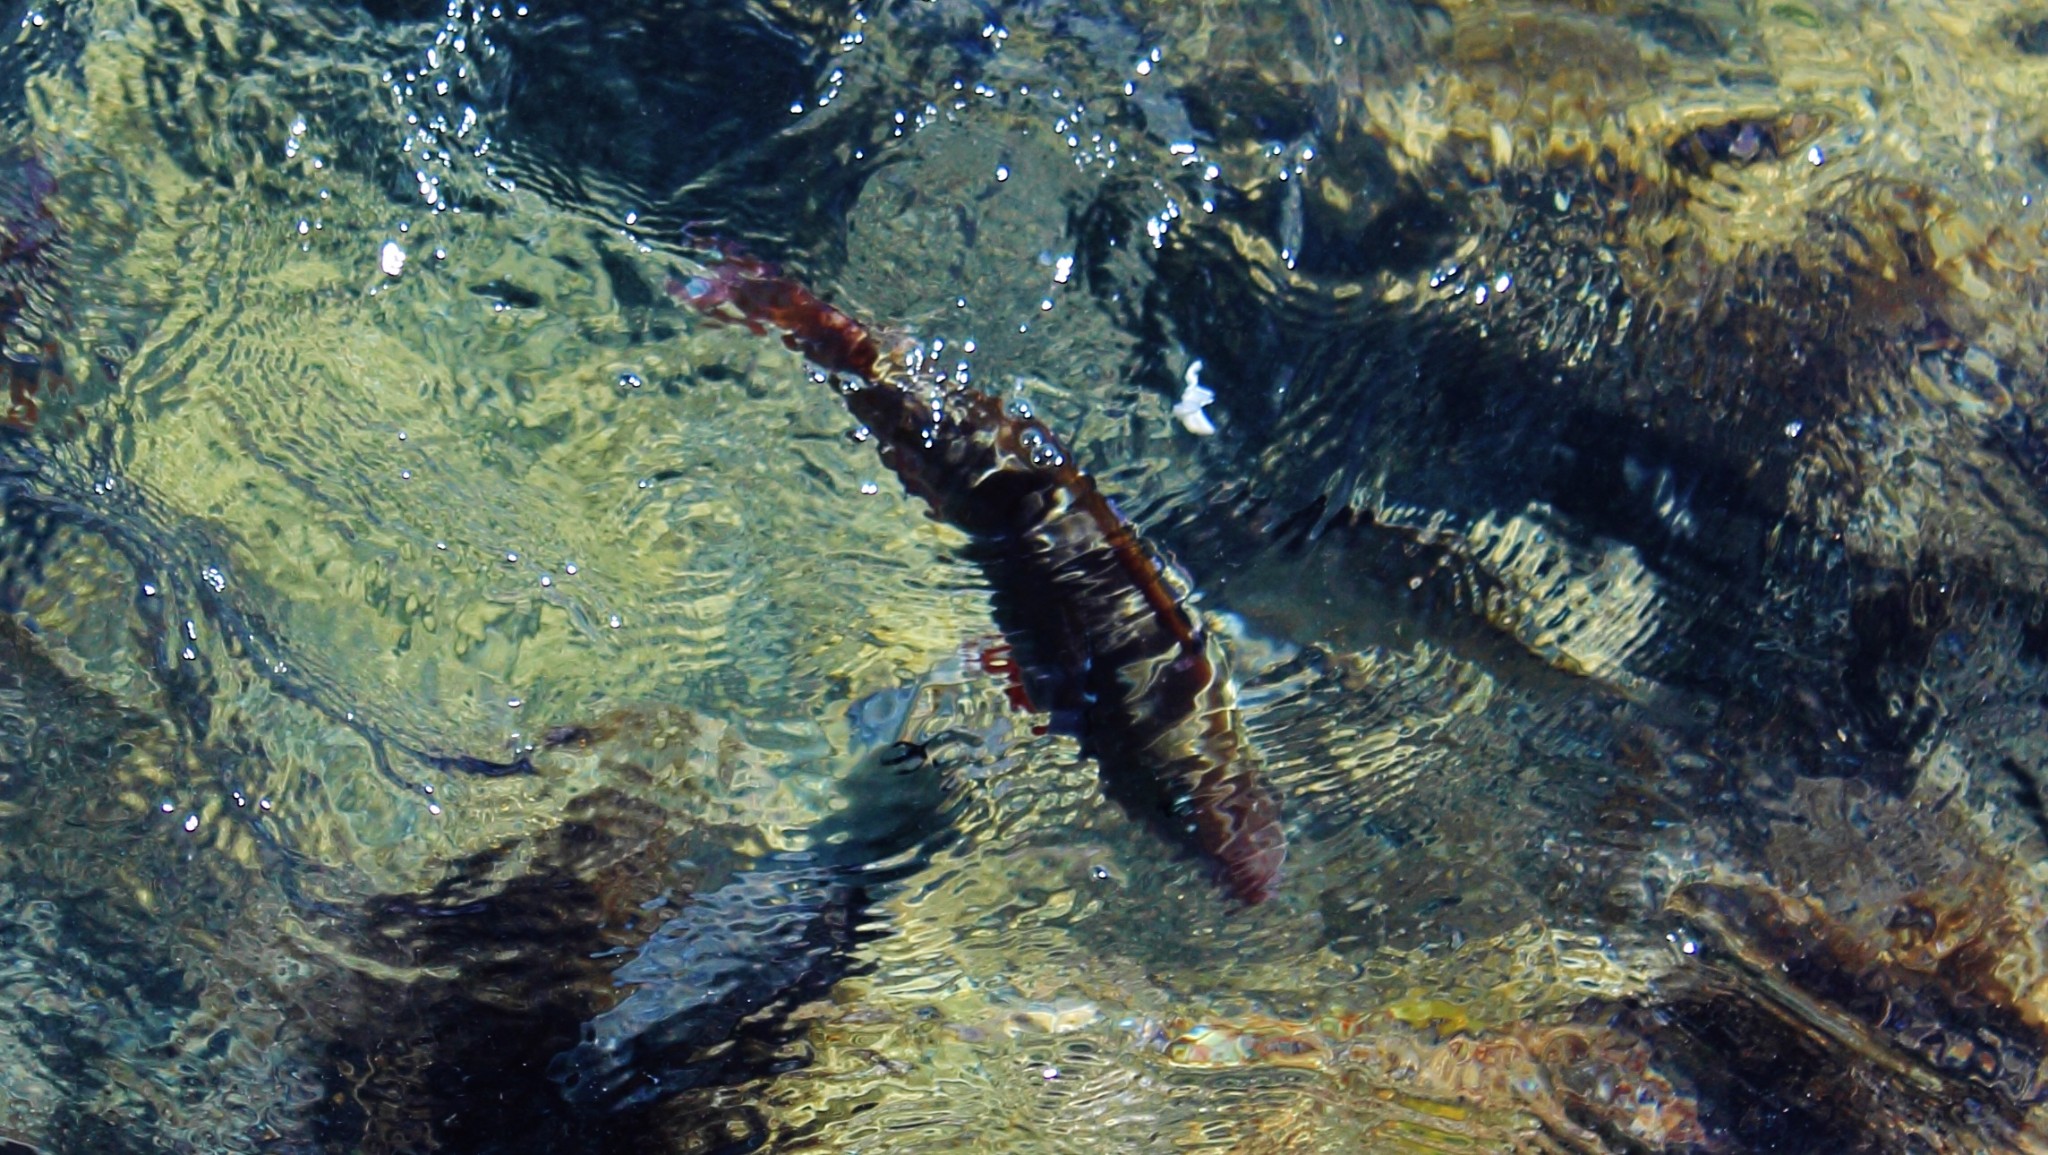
(27, 231)
(1096, 618)
(1940, 1021)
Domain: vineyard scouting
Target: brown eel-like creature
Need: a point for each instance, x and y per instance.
(1097, 619)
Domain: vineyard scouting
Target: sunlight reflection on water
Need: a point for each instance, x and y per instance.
(1619, 489)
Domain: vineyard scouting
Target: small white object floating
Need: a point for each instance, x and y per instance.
(391, 259)
(1194, 399)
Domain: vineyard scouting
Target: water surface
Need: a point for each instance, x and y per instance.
(1619, 483)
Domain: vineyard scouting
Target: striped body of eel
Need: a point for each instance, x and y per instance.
(1097, 620)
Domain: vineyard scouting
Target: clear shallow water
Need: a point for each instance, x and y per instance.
(1625, 484)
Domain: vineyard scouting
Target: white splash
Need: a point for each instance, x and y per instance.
(1193, 399)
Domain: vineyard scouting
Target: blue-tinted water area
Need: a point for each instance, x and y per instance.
(467, 684)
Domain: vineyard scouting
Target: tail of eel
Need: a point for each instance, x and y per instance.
(1097, 620)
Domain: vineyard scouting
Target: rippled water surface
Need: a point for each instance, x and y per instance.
(455, 698)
